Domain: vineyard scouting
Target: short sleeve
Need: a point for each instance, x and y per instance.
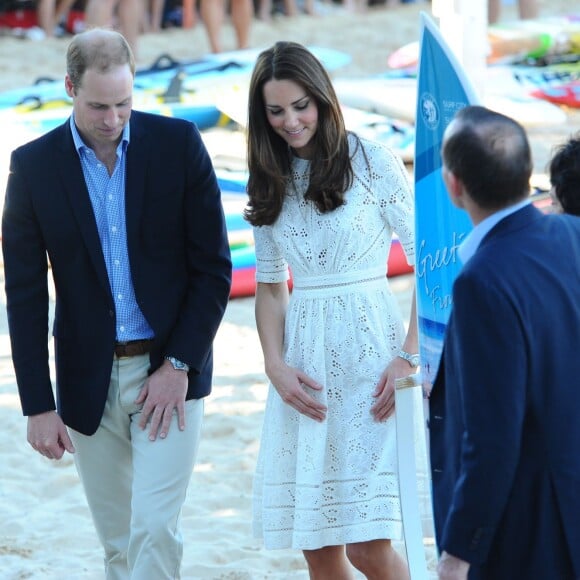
(391, 184)
(271, 267)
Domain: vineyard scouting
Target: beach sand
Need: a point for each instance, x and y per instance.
(46, 530)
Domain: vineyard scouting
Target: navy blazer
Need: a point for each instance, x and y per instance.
(178, 251)
(504, 410)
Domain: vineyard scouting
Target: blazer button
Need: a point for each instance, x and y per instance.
(111, 313)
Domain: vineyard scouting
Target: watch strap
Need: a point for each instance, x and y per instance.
(412, 359)
(177, 364)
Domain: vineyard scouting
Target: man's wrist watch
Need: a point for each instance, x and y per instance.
(177, 364)
(412, 359)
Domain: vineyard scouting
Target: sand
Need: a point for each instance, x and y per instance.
(46, 531)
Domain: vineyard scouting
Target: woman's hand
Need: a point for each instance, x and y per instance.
(384, 393)
(292, 386)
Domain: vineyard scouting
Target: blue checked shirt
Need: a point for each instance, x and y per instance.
(107, 194)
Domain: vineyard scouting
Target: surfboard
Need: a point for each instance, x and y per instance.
(443, 89)
(512, 42)
(41, 116)
(531, 78)
(565, 94)
(157, 75)
(240, 234)
(384, 95)
(396, 98)
(226, 68)
(331, 58)
(222, 67)
(397, 135)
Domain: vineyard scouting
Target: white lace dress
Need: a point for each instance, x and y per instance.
(335, 482)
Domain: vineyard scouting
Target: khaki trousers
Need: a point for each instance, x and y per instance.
(135, 488)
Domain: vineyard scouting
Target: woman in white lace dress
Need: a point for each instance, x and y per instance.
(324, 205)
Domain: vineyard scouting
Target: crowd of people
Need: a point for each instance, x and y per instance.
(142, 278)
(134, 17)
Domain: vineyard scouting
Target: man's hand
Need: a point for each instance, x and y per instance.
(452, 568)
(163, 392)
(48, 435)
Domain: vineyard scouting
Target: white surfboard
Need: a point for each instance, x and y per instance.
(398, 135)
(397, 97)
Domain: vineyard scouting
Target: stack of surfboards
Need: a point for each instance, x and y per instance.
(516, 84)
(514, 42)
(567, 94)
(187, 90)
(396, 97)
(227, 149)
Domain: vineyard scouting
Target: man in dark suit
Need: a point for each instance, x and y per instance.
(504, 426)
(127, 208)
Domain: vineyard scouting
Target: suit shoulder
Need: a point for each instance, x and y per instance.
(160, 123)
(40, 145)
(567, 223)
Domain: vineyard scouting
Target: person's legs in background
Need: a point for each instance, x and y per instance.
(242, 15)
(46, 15)
(213, 14)
(528, 9)
(128, 13)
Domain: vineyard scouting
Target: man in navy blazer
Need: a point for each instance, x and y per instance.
(504, 417)
(126, 207)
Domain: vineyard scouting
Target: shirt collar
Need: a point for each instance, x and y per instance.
(469, 246)
(80, 144)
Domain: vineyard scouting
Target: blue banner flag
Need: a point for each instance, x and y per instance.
(443, 89)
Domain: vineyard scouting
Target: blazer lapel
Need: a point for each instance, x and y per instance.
(78, 196)
(138, 153)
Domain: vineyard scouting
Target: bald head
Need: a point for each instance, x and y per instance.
(490, 154)
(100, 49)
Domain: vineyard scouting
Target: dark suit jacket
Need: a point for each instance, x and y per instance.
(504, 410)
(178, 250)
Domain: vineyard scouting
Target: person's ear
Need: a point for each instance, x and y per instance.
(454, 187)
(70, 90)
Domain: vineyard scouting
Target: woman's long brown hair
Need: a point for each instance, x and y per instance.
(269, 157)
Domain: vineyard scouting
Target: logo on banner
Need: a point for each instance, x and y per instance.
(430, 111)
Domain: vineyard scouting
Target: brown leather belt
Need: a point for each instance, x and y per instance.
(132, 348)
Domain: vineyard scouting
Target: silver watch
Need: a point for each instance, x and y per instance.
(412, 359)
(177, 364)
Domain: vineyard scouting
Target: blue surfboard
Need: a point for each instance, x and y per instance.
(443, 89)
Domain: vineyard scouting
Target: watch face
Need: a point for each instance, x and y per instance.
(177, 364)
(412, 359)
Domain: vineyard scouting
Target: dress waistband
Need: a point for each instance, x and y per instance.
(336, 284)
